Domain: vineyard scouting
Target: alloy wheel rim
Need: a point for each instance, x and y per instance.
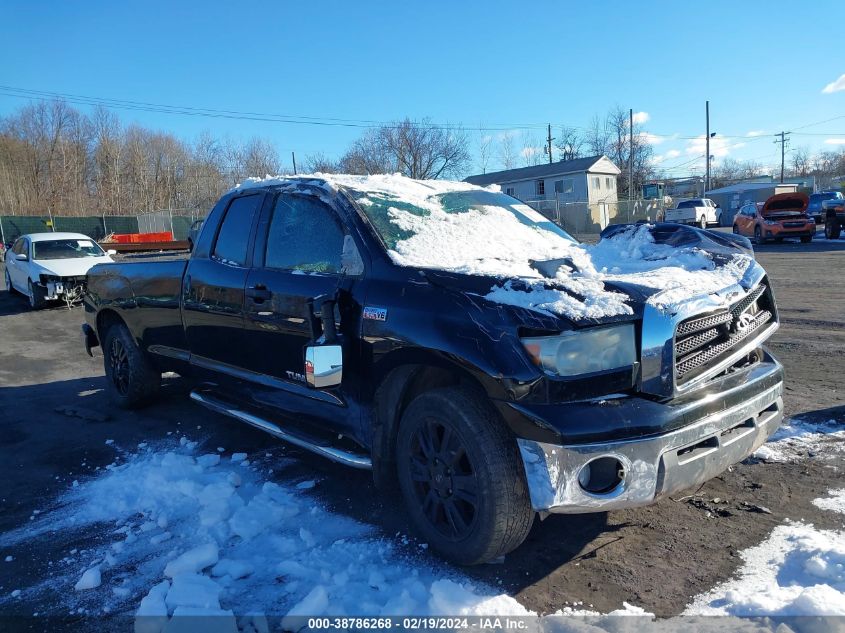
(119, 362)
(444, 480)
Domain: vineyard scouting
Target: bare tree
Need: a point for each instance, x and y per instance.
(800, 160)
(507, 152)
(416, 149)
(531, 152)
(319, 163)
(485, 149)
(570, 143)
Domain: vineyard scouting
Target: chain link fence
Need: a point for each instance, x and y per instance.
(582, 218)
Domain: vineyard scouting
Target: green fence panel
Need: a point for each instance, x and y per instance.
(13, 226)
(92, 226)
(121, 224)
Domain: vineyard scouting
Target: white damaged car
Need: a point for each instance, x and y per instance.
(52, 266)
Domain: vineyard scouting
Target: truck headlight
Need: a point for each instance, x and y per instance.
(585, 351)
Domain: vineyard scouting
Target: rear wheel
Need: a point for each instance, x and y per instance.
(461, 477)
(8, 280)
(702, 222)
(37, 295)
(736, 230)
(832, 228)
(132, 379)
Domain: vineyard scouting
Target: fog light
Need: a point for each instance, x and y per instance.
(601, 476)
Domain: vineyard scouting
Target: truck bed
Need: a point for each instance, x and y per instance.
(147, 293)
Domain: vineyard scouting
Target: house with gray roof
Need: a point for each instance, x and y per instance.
(590, 180)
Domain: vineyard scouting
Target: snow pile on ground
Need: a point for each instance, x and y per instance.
(497, 241)
(797, 438)
(189, 533)
(798, 570)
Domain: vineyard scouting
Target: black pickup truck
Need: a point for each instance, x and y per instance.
(456, 343)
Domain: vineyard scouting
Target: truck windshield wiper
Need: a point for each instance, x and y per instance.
(550, 267)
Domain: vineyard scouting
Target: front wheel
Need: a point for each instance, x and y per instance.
(736, 230)
(758, 235)
(132, 379)
(832, 229)
(461, 477)
(37, 295)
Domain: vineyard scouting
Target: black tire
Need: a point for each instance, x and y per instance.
(702, 222)
(489, 512)
(758, 235)
(832, 229)
(736, 230)
(132, 379)
(37, 295)
(806, 239)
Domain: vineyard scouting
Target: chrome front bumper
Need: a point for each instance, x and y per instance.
(653, 466)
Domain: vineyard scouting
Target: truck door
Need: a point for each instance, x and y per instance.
(301, 261)
(213, 289)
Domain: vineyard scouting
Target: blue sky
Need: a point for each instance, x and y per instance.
(762, 65)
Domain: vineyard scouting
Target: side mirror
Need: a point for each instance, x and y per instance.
(323, 365)
(22, 257)
(111, 251)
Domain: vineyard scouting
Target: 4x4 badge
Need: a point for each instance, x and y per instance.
(375, 314)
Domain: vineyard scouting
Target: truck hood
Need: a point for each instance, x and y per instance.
(632, 266)
(72, 267)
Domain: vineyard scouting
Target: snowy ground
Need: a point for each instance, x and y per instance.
(187, 529)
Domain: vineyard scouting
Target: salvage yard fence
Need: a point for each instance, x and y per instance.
(98, 227)
(582, 218)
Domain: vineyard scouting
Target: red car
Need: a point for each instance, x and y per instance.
(782, 215)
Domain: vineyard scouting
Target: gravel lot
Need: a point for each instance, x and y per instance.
(55, 417)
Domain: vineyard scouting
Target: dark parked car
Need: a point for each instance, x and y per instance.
(341, 317)
(815, 208)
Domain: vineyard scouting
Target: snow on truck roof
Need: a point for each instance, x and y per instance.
(463, 228)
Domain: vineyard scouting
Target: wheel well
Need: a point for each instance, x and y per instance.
(106, 319)
(398, 389)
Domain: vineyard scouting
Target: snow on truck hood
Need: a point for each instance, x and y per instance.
(465, 229)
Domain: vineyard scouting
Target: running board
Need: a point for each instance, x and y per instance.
(335, 454)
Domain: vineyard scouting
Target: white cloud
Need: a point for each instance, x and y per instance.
(754, 133)
(834, 141)
(835, 86)
(642, 117)
(673, 153)
(654, 139)
(718, 146)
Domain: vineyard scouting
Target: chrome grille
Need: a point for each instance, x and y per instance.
(703, 341)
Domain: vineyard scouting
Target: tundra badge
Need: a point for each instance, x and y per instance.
(375, 314)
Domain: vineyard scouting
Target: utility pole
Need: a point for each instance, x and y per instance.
(783, 141)
(630, 158)
(707, 170)
(549, 139)
(293, 158)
